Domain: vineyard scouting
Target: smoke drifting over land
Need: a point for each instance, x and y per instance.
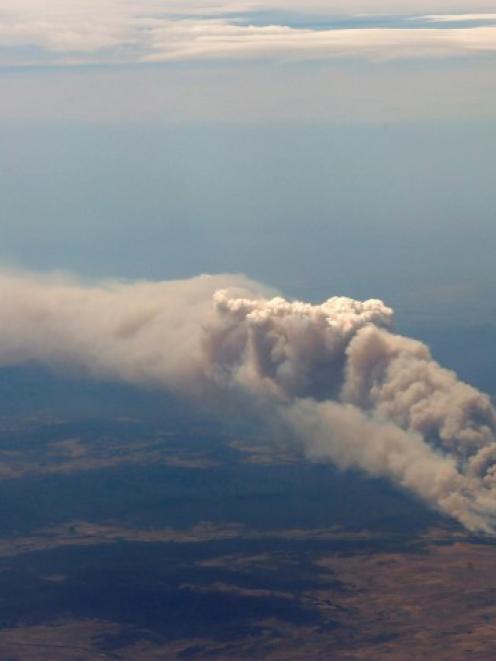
(334, 374)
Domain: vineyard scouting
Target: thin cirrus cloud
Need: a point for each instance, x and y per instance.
(459, 18)
(124, 32)
(219, 40)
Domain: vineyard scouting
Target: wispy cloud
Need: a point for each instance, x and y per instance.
(459, 18)
(125, 31)
(223, 40)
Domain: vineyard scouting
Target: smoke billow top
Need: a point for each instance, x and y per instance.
(338, 378)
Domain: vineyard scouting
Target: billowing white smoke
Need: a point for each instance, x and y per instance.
(335, 374)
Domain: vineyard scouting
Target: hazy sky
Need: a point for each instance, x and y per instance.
(323, 147)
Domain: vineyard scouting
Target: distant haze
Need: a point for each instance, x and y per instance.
(403, 212)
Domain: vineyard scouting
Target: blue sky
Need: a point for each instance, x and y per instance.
(325, 148)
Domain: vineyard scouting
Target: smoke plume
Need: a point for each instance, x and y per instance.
(335, 375)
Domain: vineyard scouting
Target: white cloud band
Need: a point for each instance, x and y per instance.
(123, 32)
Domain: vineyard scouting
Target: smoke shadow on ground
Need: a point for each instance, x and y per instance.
(164, 589)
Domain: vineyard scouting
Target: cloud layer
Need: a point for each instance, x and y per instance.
(125, 31)
(334, 375)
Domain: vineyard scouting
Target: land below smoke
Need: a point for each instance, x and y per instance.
(127, 537)
(231, 598)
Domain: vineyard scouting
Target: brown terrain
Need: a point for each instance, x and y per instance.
(133, 543)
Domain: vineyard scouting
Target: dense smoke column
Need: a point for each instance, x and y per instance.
(365, 397)
(335, 375)
(295, 348)
(396, 378)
